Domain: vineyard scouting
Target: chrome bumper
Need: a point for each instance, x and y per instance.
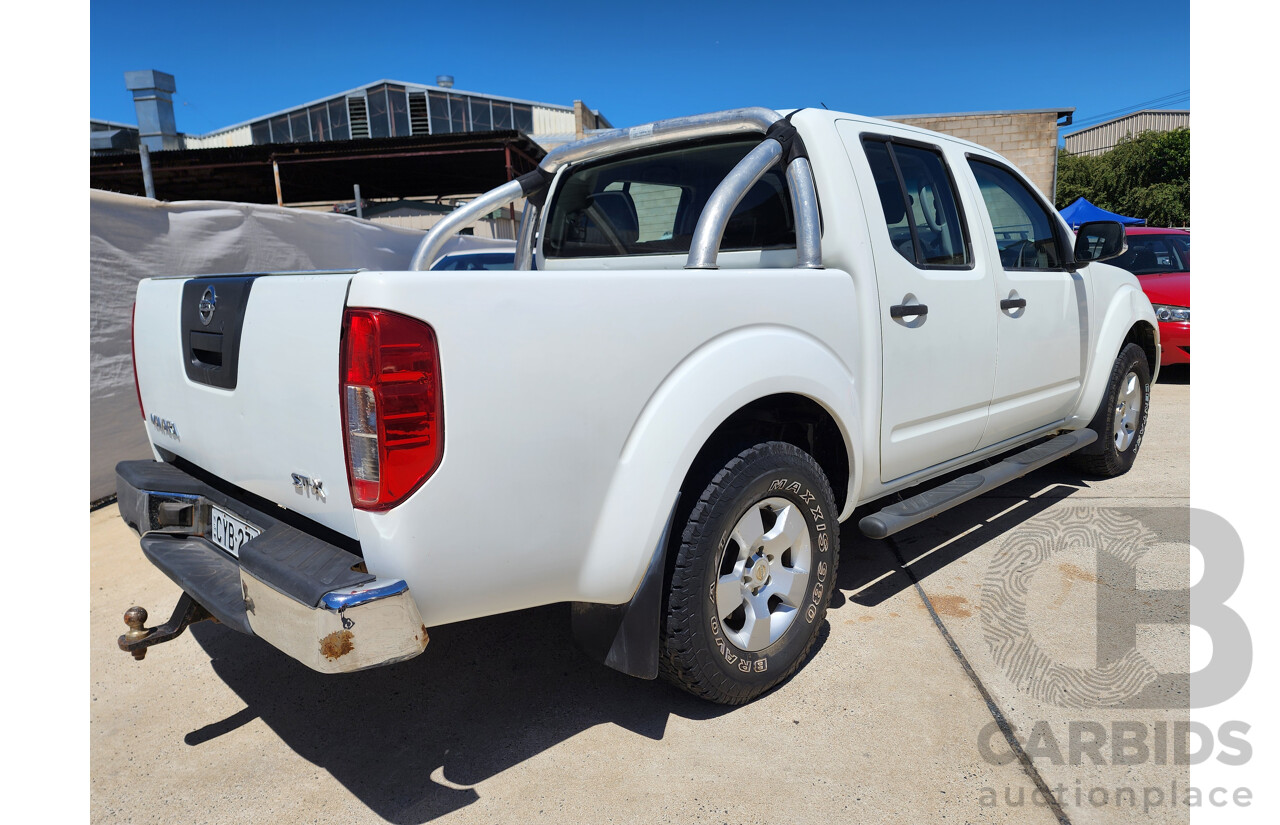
(353, 629)
(362, 623)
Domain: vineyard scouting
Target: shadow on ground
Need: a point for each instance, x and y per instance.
(872, 571)
(1175, 374)
(486, 695)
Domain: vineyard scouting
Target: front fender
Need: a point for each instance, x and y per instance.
(708, 386)
(1128, 306)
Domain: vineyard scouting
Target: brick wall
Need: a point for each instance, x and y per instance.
(1028, 139)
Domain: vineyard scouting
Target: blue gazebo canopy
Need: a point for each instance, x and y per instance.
(1081, 211)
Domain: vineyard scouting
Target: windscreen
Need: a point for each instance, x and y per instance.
(1153, 254)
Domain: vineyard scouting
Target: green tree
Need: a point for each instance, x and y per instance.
(1079, 176)
(1148, 176)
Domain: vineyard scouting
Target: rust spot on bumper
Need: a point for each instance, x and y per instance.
(337, 644)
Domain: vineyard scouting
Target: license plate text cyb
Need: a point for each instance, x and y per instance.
(229, 532)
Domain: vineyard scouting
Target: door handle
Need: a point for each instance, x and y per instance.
(907, 310)
(1013, 303)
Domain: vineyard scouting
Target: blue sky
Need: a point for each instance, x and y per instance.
(636, 62)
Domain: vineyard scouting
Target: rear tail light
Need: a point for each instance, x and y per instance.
(392, 415)
(133, 359)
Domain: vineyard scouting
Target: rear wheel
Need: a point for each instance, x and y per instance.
(752, 577)
(1121, 420)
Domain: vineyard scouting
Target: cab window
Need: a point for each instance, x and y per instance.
(1024, 231)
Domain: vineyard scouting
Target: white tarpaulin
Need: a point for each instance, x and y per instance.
(131, 238)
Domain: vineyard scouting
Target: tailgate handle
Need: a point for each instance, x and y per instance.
(206, 349)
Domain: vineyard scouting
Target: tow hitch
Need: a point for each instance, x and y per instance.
(187, 612)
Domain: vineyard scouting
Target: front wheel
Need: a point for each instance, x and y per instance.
(753, 576)
(1121, 420)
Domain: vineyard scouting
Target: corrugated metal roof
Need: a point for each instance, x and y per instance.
(413, 86)
(1129, 116)
(111, 124)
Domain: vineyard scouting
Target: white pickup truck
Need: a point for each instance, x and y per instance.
(739, 328)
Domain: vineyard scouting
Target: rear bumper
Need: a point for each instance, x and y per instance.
(307, 597)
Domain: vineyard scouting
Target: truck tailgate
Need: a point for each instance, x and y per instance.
(239, 376)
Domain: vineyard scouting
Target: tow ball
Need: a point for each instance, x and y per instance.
(187, 612)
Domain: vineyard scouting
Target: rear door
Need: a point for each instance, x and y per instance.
(239, 376)
(935, 294)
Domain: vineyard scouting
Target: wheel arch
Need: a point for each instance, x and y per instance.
(788, 417)
(1146, 336)
(777, 381)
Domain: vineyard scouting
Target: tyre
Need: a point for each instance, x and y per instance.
(752, 577)
(1121, 419)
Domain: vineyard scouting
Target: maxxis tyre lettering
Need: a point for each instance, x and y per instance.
(697, 653)
(1108, 461)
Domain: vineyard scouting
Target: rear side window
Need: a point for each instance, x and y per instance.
(920, 205)
(650, 204)
(1024, 232)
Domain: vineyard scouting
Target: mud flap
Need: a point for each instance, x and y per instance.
(625, 636)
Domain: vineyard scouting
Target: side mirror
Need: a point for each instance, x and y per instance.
(1099, 241)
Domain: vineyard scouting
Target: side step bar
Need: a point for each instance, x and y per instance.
(930, 503)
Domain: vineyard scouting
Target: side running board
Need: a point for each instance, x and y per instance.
(930, 503)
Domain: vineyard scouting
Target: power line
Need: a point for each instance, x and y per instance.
(1163, 100)
(1166, 100)
(1096, 121)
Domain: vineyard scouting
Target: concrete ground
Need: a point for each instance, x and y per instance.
(985, 613)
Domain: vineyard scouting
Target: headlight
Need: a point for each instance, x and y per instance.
(1168, 313)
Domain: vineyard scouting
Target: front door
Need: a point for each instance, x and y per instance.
(1041, 312)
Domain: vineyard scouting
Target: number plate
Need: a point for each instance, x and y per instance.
(229, 532)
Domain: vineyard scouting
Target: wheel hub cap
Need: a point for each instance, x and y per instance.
(764, 574)
(1128, 411)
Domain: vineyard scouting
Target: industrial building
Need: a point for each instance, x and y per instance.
(412, 149)
(1095, 140)
(381, 109)
(108, 136)
(389, 109)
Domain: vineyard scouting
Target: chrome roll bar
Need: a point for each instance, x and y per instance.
(715, 215)
(804, 200)
(728, 122)
(709, 232)
(431, 246)
(524, 245)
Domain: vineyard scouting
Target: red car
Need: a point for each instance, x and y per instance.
(1161, 258)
